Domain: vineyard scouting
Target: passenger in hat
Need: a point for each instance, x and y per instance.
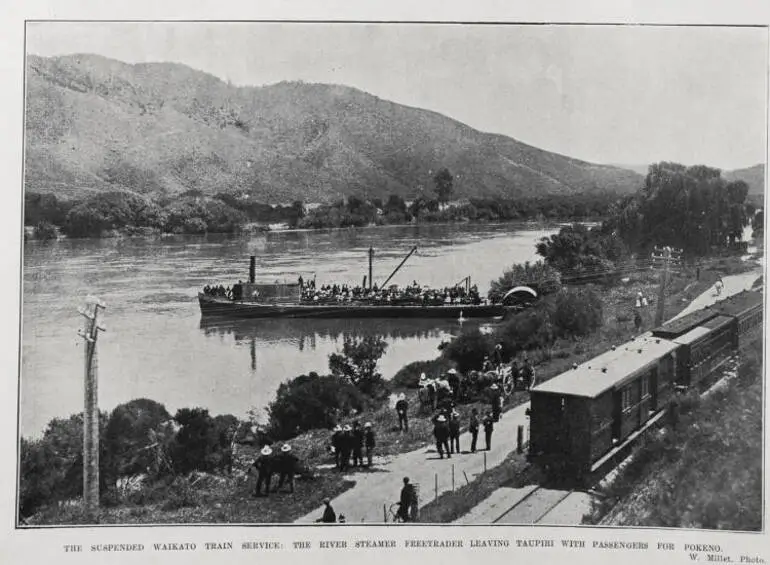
(441, 433)
(402, 409)
(337, 445)
(454, 432)
(453, 379)
(286, 464)
(358, 445)
(496, 401)
(473, 428)
(263, 465)
(498, 354)
(407, 504)
(329, 517)
(489, 427)
(346, 445)
(370, 443)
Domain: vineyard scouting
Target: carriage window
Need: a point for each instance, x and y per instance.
(626, 398)
(645, 386)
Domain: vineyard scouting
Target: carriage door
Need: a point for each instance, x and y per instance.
(654, 390)
(617, 414)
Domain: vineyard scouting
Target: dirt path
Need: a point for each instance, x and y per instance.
(376, 490)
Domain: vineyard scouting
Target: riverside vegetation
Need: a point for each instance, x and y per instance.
(193, 468)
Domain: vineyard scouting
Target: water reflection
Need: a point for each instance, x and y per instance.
(305, 333)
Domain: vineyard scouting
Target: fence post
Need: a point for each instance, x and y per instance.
(485, 462)
(520, 439)
(436, 481)
(453, 477)
(384, 513)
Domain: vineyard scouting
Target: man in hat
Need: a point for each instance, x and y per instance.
(516, 375)
(407, 500)
(495, 399)
(264, 467)
(402, 407)
(487, 364)
(473, 428)
(441, 433)
(489, 427)
(454, 432)
(369, 439)
(453, 378)
(329, 517)
(358, 445)
(346, 443)
(287, 467)
(528, 373)
(498, 355)
(337, 445)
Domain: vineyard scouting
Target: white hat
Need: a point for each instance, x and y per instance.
(346, 428)
(337, 428)
(494, 386)
(402, 396)
(266, 450)
(441, 419)
(639, 293)
(286, 448)
(451, 372)
(368, 425)
(423, 376)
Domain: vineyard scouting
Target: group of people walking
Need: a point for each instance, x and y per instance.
(349, 442)
(446, 431)
(269, 462)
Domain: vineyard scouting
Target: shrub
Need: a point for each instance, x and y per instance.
(577, 312)
(409, 375)
(311, 401)
(527, 330)
(195, 442)
(468, 350)
(45, 230)
(358, 363)
(542, 278)
(128, 435)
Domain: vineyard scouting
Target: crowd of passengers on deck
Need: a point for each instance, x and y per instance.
(412, 295)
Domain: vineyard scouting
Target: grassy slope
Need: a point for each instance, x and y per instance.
(96, 123)
(704, 473)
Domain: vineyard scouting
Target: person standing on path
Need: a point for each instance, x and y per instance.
(358, 445)
(454, 432)
(407, 500)
(337, 445)
(402, 406)
(287, 467)
(441, 433)
(346, 443)
(489, 426)
(495, 399)
(369, 438)
(473, 428)
(264, 466)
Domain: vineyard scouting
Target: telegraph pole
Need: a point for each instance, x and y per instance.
(91, 408)
(371, 258)
(663, 259)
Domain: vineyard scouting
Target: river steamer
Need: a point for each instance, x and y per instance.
(285, 300)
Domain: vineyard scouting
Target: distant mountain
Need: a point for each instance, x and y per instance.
(753, 176)
(161, 129)
(638, 169)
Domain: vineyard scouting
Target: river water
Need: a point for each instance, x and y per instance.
(156, 346)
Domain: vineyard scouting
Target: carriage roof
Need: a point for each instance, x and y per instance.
(610, 369)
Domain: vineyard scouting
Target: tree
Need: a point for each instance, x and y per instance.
(358, 363)
(468, 350)
(444, 185)
(310, 402)
(541, 277)
(196, 441)
(129, 438)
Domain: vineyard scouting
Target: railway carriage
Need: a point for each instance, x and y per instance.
(748, 308)
(582, 417)
(703, 349)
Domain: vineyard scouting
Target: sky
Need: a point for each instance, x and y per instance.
(608, 94)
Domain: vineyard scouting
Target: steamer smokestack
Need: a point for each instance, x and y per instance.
(252, 269)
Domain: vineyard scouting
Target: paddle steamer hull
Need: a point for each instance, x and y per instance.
(222, 307)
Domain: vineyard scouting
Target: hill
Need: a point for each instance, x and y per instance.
(161, 129)
(753, 176)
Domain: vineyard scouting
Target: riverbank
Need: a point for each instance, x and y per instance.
(217, 499)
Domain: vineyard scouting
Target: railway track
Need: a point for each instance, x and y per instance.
(533, 507)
